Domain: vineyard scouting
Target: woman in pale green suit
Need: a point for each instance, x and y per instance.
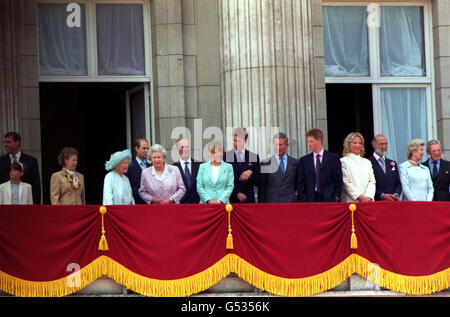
(215, 179)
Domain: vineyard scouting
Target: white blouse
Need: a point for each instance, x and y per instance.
(215, 172)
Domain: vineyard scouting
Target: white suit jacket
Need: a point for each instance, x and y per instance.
(25, 194)
(358, 178)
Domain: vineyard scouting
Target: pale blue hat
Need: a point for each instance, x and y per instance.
(116, 158)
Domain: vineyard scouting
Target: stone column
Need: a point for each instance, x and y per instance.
(9, 107)
(168, 68)
(267, 69)
(19, 74)
(441, 35)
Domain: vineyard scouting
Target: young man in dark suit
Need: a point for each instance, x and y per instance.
(11, 143)
(246, 167)
(136, 167)
(279, 174)
(387, 177)
(319, 174)
(189, 170)
(440, 171)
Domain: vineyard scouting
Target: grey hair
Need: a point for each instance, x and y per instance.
(413, 146)
(374, 140)
(215, 144)
(157, 148)
(281, 135)
(432, 142)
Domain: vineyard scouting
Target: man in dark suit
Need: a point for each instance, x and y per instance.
(440, 171)
(319, 174)
(246, 167)
(11, 143)
(136, 167)
(387, 177)
(189, 170)
(279, 174)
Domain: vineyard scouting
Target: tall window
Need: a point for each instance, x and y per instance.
(386, 45)
(93, 39)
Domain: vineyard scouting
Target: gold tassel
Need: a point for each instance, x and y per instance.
(353, 239)
(103, 244)
(229, 208)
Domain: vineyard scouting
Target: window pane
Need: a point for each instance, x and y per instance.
(62, 48)
(404, 117)
(401, 41)
(120, 39)
(345, 41)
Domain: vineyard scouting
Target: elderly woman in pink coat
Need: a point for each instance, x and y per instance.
(161, 183)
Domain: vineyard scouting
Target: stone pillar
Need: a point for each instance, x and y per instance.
(168, 68)
(267, 68)
(9, 107)
(441, 35)
(19, 74)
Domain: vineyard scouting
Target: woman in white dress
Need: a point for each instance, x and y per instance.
(415, 177)
(117, 188)
(14, 191)
(357, 172)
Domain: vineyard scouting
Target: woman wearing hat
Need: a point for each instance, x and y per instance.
(67, 185)
(161, 183)
(117, 188)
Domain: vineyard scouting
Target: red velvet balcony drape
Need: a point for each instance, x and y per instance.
(179, 250)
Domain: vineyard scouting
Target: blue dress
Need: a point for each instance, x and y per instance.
(416, 182)
(117, 190)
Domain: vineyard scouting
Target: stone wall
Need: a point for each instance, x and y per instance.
(441, 41)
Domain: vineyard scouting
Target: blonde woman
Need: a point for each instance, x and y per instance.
(415, 177)
(215, 179)
(357, 173)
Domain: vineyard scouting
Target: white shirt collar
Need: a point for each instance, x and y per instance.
(183, 162)
(377, 157)
(284, 157)
(17, 156)
(320, 153)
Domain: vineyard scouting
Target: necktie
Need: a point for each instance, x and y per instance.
(282, 167)
(383, 165)
(319, 188)
(187, 174)
(143, 166)
(435, 170)
(14, 158)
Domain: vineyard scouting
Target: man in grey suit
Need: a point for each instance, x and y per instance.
(279, 174)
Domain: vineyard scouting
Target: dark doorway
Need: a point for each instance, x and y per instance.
(349, 109)
(90, 117)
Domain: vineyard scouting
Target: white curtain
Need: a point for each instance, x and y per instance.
(120, 39)
(401, 41)
(345, 41)
(62, 49)
(404, 117)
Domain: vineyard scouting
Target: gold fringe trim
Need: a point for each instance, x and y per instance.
(412, 285)
(103, 265)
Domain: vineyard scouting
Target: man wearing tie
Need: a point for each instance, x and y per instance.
(279, 174)
(440, 171)
(135, 169)
(189, 169)
(319, 174)
(246, 167)
(12, 142)
(387, 177)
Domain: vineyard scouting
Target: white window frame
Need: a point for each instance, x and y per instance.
(91, 44)
(379, 82)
